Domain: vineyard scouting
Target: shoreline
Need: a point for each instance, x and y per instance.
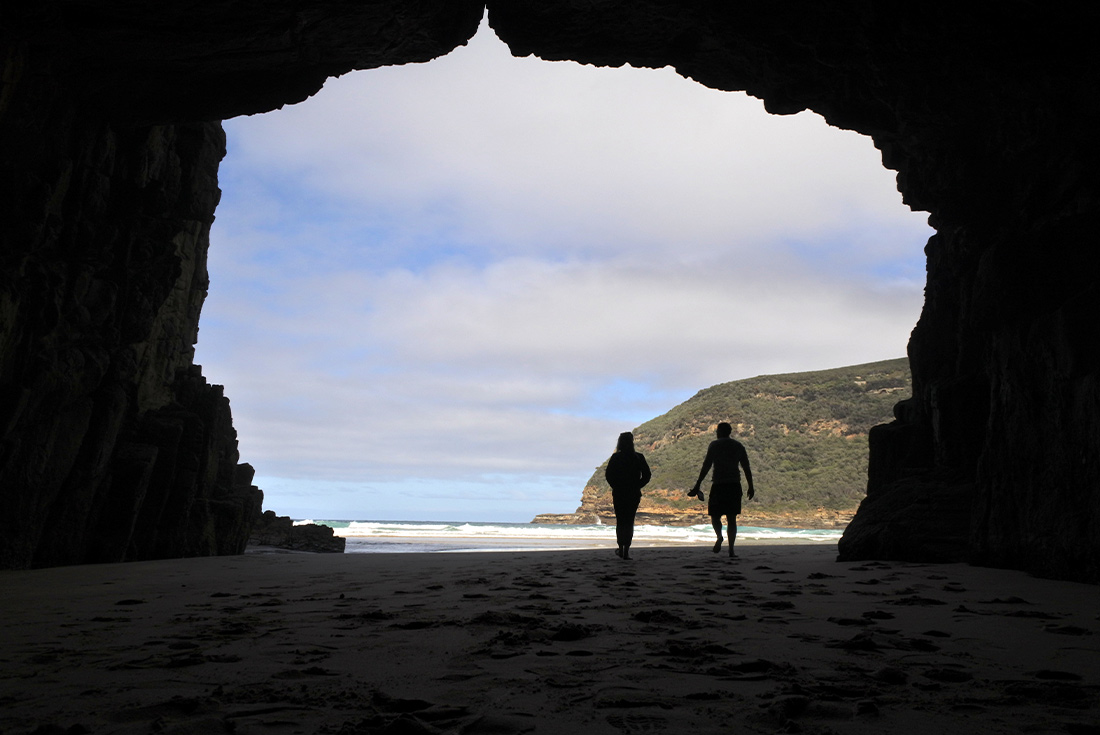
(475, 545)
(819, 521)
(394, 537)
(783, 639)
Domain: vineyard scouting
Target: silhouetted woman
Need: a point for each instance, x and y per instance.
(627, 473)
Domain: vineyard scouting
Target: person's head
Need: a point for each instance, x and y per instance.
(724, 430)
(625, 443)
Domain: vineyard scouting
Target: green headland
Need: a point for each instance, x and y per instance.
(806, 437)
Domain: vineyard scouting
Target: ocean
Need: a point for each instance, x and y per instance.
(381, 537)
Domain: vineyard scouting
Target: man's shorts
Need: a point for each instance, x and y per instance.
(725, 500)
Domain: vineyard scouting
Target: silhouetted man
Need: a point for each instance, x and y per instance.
(725, 454)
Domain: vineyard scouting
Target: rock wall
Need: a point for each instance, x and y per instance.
(109, 148)
(279, 532)
(112, 445)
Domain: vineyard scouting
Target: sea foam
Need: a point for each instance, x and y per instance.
(468, 535)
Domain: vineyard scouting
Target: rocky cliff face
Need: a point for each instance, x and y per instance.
(112, 446)
(281, 533)
(109, 151)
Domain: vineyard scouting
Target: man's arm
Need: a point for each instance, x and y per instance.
(706, 468)
(748, 473)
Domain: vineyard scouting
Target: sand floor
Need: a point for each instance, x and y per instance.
(783, 639)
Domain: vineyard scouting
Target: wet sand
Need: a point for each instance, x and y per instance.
(783, 639)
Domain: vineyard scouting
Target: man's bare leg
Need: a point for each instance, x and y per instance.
(733, 534)
(716, 521)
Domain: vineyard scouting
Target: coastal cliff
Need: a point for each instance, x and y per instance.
(806, 436)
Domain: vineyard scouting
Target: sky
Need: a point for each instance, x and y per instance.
(440, 291)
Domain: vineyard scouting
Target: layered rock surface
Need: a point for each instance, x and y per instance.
(110, 152)
(112, 444)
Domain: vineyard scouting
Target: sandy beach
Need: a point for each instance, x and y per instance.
(783, 639)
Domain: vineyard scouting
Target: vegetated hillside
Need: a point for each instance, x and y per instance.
(805, 433)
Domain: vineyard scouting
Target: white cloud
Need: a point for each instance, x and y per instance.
(521, 153)
(487, 267)
(373, 367)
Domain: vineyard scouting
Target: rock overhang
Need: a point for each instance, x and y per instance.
(989, 132)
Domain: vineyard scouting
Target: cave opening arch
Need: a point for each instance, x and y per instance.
(594, 245)
(109, 135)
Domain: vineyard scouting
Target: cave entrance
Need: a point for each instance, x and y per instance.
(443, 289)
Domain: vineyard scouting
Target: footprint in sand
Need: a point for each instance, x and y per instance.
(1059, 693)
(777, 605)
(1067, 630)
(657, 617)
(859, 622)
(916, 601)
(878, 615)
(419, 624)
(628, 697)
(474, 582)
(860, 643)
(1051, 675)
(753, 670)
(789, 592)
(632, 724)
(572, 632)
(306, 673)
(890, 675)
(419, 717)
(946, 675)
(915, 644)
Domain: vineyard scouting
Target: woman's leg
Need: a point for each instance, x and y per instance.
(632, 512)
(621, 524)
